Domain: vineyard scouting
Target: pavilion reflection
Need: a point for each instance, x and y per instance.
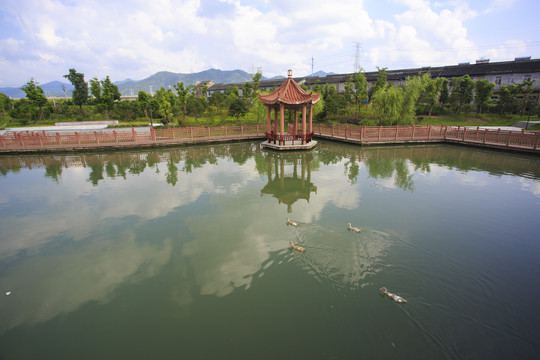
(289, 177)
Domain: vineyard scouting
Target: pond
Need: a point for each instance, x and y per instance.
(183, 253)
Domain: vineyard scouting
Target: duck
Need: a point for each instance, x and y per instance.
(355, 229)
(290, 222)
(394, 297)
(296, 247)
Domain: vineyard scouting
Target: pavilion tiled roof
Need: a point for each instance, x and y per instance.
(289, 93)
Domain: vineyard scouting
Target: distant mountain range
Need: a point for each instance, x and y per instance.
(151, 83)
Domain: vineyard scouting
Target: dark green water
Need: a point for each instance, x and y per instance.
(183, 254)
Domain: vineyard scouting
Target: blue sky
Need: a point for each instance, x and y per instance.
(43, 39)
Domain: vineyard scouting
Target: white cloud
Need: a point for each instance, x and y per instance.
(138, 38)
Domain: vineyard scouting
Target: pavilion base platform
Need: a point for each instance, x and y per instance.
(289, 145)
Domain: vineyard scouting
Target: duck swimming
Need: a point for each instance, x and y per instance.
(296, 247)
(290, 222)
(394, 297)
(355, 229)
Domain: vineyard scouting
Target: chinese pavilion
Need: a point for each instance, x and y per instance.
(290, 96)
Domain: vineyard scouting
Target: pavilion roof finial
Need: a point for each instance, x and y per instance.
(289, 73)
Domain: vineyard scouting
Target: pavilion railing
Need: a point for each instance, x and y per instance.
(289, 139)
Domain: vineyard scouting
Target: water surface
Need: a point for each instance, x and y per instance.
(184, 253)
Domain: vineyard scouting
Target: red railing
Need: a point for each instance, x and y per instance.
(123, 137)
(383, 133)
(361, 134)
(288, 139)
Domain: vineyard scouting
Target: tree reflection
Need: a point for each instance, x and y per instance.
(398, 163)
(53, 169)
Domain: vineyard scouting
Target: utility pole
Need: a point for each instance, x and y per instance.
(356, 57)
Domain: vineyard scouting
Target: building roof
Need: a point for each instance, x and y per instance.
(289, 93)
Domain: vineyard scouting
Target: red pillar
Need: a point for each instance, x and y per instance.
(304, 124)
(295, 122)
(268, 120)
(275, 121)
(268, 123)
(282, 122)
(310, 118)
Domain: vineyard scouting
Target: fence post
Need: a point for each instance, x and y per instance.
(332, 130)
(134, 134)
(522, 136)
(153, 133)
(429, 132)
(412, 136)
(485, 135)
(380, 131)
(40, 141)
(58, 140)
(498, 133)
(2, 141)
(464, 132)
(242, 130)
(508, 138)
(115, 136)
(97, 138)
(397, 130)
(77, 137)
(537, 140)
(346, 133)
(22, 140)
(257, 130)
(477, 131)
(209, 131)
(191, 133)
(363, 133)
(445, 130)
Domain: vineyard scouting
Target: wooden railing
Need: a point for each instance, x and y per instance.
(525, 140)
(288, 139)
(382, 133)
(123, 137)
(520, 140)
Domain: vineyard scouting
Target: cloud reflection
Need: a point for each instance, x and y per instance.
(48, 285)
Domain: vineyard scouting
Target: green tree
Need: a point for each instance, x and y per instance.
(462, 92)
(35, 94)
(5, 104)
(238, 107)
(247, 91)
(196, 105)
(80, 93)
(182, 93)
(105, 93)
(256, 79)
(379, 83)
(143, 99)
(508, 102)
(388, 102)
(164, 103)
(483, 91)
(432, 90)
(444, 96)
(358, 90)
